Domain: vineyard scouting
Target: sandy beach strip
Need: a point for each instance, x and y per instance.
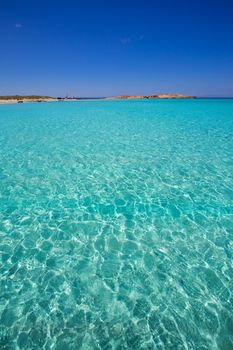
(6, 102)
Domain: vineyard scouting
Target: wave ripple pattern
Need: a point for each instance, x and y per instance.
(116, 225)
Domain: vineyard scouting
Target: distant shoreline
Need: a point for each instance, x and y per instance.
(35, 98)
(4, 100)
(24, 99)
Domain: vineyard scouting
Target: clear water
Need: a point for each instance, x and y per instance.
(116, 227)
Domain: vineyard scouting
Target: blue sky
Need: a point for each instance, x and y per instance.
(104, 48)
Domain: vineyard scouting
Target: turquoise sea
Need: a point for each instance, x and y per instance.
(116, 225)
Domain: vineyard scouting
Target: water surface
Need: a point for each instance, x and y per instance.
(116, 225)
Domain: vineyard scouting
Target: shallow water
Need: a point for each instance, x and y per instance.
(116, 225)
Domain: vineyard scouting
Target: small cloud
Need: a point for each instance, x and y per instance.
(125, 41)
(18, 25)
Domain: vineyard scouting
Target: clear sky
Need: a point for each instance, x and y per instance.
(104, 48)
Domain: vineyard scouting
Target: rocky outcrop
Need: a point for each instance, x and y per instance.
(129, 97)
(174, 96)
